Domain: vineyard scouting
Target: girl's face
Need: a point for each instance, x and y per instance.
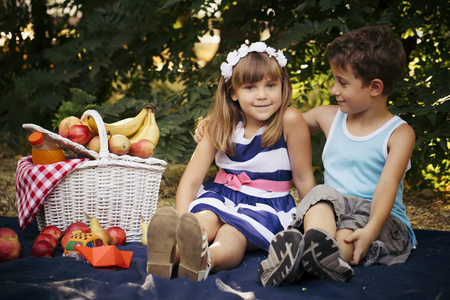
(349, 91)
(258, 100)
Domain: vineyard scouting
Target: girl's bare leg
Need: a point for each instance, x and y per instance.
(211, 223)
(228, 248)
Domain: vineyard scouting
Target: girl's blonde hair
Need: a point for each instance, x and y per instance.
(226, 113)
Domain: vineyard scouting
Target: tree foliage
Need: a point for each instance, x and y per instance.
(91, 54)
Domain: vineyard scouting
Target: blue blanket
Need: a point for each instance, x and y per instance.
(426, 275)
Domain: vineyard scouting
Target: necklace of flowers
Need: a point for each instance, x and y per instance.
(233, 57)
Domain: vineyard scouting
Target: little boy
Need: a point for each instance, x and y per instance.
(358, 215)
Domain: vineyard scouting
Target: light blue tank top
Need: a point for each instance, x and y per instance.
(353, 164)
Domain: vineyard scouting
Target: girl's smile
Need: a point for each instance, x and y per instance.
(262, 106)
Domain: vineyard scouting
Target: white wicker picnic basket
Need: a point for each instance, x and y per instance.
(115, 189)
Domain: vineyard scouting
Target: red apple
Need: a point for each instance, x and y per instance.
(77, 226)
(42, 248)
(143, 148)
(47, 237)
(119, 144)
(65, 240)
(94, 144)
(118, 236)
(8, 233)
(54, 231)
(10, 249)
(79, 133)
(66, 123)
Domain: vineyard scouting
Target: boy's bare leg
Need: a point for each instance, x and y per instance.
(322, 255)
(318, 250)
(321, 215)
(346, 248)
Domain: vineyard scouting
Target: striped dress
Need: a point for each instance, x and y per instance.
(251, 189)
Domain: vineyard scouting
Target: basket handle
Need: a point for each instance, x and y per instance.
(104, 152)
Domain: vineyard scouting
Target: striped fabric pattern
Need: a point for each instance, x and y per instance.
(258, 212)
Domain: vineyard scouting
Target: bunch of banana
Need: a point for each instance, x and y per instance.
(142, 127)
(126, 127)
(149, 130)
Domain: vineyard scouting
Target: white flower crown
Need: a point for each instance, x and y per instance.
(233, 57)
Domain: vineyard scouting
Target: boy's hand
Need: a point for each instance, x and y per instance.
(200, 131)
(362, 242)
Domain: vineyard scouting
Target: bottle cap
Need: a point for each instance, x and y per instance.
(36, 138)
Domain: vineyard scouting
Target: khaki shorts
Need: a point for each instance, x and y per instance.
(392, 246)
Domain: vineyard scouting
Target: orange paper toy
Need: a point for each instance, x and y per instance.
(106, 256)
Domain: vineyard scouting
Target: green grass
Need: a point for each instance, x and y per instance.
(169, 184)
(8, 206)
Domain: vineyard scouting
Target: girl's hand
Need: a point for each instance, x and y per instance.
(362, 241)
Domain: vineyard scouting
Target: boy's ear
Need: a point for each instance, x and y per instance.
(377, 87)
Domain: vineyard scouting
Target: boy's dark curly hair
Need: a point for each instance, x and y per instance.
(373, 53)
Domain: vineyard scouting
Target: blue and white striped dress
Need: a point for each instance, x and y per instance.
(251, 190)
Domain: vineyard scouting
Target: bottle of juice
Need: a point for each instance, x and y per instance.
(44, 151)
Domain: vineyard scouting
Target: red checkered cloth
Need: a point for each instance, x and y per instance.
(35, 183)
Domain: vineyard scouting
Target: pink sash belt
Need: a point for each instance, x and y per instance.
(236, 181)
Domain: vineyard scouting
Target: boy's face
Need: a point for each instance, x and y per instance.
(349, 91)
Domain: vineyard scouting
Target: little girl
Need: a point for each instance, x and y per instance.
(259, 144)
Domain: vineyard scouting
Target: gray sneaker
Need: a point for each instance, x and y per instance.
(323, 258)
(283, 264)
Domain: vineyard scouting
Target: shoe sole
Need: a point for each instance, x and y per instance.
(322, 257)
(189, 240)
(161, 239)
(283, 263)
